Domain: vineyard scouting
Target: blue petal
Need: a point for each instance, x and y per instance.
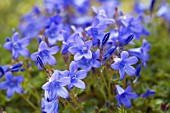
(42, 46)
(19, 79)
(64, 81)
(62, 92)
(115, 65)
(122, 73)
(130, 70)
(73, 50)
(73, 67)
(15, 37)
(79, 84)
(126, 102)
(131, 95)
(78, 56)
(88, 55)
(8, 76)
(10, 92)
(24, 52)
(8, 45)
(51, 60)
(15, 54)
(54, 50)
(88, 44)
(81, 74)
(124, 55)
(18, 89)
(3, 85)
(25, 41)
(34, 56)
(79, 42)
(131, 60)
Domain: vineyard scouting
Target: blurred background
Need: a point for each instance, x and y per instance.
(156, 76)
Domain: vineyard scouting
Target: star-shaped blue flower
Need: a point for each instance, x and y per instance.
(148, 93)
(124, 96)
(12, 84)
(124, 63)
(55, 86)
(76, 77)
(141, 52)
(18, 46)
(81, 49)
(46, 54)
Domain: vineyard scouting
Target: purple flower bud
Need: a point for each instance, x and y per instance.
(107, 104)
(164, 106)
(7, 39)
(109, 53)
(152, 5)
(137, 73)
(18, 65)
(129, 38)
(39, 59)
(106, 37)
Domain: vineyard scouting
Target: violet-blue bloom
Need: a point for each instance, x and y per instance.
(18, 46)
(141, 52)
(87, 64)
(148, 93)
(12, 84)
(49, 107)
(53, 30)
(32, 23)
(55, 87)
(124, 63)
(46, 54)
(133, 25)
(81, 49)
(76, 77)
(164, 11)
(124, 96)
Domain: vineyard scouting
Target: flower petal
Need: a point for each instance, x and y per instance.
(24, 52)
(122, 73)
(130, 70)
(8, 45)
(54, 50)
(88, 44)
(25, 41)
(10, 92)
(115, 65)
(15, 37)
(126, 102)
(73, 67)
(88, 55)
(51, 60)
(79, 84)
(42, 46)
(62, 92)
(131, 60)
(81, 74)
(78, 56)
(73, 50)
(124, 55)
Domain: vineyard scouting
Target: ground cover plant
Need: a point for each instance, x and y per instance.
(89, 56)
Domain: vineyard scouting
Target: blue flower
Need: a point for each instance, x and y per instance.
(18, 46)
(32, 23)
(124, 96)
(55, 86)
(49, 107)
(81, 49)
(133, 25)
(12, 84)
(164, 11)
(141, 52)
(46, 54)
(148, 93)
(87, 64)
(53, 30)
(76, 77)
(124, 63)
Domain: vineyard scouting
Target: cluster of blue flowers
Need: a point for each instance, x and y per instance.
(90, 42)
